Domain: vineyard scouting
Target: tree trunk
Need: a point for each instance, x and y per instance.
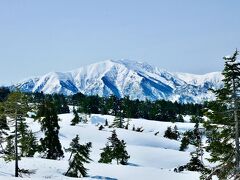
(16, 149)
(236, 125)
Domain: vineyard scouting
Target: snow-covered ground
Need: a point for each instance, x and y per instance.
(152, 157)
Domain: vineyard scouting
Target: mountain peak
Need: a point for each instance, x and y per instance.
(124, 77)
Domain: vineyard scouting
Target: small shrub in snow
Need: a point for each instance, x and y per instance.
(106, 123)
(100, 127)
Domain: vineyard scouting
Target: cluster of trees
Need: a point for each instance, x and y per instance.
(159, 110)
(22, 142)
(4, 92)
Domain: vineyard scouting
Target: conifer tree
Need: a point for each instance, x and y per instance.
(196, 119)
(106, 155)
(60, 104)
(32, 146)
(179, 118)
(122, 154)
(23, 137)
(9, 152)
(133, 129)
(223, 124)
(3, 128)
(171, 134)
(106, 123)
(76, 118)
(115, 149)
(118, 122)
(195, 164)
(79, 156)
(126, 127)
(16, 107)
(100, 127)
(184, 143)
(50, 144)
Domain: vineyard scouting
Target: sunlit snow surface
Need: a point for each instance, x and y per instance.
(152, 157)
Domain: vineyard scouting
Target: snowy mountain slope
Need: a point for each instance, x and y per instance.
(151, 157)
(127, 78)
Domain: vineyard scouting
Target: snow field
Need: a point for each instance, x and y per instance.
(152, 157)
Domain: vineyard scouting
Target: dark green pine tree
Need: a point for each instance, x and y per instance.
(23, 137)
(3, 129)
(223, 124)
(76, 118)
(171, 134)
(115, 150)
(196, 119)
(16, 107)
(106, 155)
(9, 151)
(50, 144)
(122, 154)
(79, 155)
(195, 164)
(184, 143)
(60, 104)
(106, 123)
(4, 92)
(33, 146)
(179, 118)
(118, 122)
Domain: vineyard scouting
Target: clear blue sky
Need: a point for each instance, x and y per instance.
(60, 35)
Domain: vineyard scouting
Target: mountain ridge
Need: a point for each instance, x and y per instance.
(138, 80)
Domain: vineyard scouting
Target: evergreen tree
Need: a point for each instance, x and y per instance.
(60, 104)
(179, 118)
(133, 128)
(106, 155)
(184, 143)
(16, 107)
(106, 123)
(50, 144)
(100, 127)
(76, 118)
(9, 151)
(195, 164)
(3, 128)
(171, 134)
(4, 92)
(122, 154)
(79, 156)
(223, 124)
(32, 147)
(23, 137)
(118, 122)
(139, 129)
(115, 149)
(196, 119)
(126, 127)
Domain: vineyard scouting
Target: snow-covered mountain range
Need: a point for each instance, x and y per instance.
(127, 78)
